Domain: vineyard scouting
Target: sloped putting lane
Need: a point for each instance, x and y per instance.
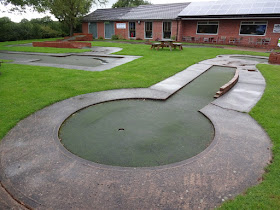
(145, 133)
(39, 173)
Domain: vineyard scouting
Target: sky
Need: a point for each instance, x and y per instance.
(17, 17)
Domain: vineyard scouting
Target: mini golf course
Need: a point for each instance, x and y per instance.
(37, 172)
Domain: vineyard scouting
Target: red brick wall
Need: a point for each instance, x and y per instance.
(85, 28)
(269, 33)
(157, 30)
(180, 32)
(100, 30)
(230, 28)
(174, 28)
(122, 32)
(62, 44)
(140, 30)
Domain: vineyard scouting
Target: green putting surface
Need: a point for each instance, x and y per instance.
(144, 133)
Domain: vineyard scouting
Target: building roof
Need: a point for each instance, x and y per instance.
(232, 8)
(107, 14)
(142, 12)
(156, 11)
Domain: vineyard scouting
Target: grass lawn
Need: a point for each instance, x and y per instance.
(26, 89)
(267, 112)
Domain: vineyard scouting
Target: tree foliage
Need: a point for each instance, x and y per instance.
(129, 3)
(34, 29)
(68, 11)
(38, 5)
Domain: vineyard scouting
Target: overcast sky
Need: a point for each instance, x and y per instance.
(17, 17)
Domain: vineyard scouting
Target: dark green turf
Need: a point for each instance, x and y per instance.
(145, 132)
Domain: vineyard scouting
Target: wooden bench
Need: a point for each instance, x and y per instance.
(180, 45)
(155, 45)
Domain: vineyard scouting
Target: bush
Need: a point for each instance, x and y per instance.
(173, 37)
(121, 37)
(101, 37)
(115, 37)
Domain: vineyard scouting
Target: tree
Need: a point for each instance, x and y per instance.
(69, 12)
(129, 3)
(38, 5)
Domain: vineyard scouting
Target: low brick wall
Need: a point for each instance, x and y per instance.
(274, 58)
(88, 37)
(225, 88)
(59, 44)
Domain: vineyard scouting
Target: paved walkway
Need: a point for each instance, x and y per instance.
(40, 173)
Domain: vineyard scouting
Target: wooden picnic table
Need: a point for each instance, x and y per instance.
(167, 43)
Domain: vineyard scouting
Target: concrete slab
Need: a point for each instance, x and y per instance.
(179, 80)
(38, 171)
(242, 97)
(8, 202)
(251, 77)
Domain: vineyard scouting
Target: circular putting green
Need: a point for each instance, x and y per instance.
(145, 133)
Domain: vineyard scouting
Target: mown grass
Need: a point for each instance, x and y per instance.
(267, 113)
(5, 61)
(26, 89)
(7, 47)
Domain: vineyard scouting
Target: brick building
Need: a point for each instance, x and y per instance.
(248, 23)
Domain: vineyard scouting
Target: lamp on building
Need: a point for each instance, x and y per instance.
(138, 21)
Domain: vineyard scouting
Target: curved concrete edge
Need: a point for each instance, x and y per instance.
(98, 51)
(125, 59)
(38, 171)
(249, 88)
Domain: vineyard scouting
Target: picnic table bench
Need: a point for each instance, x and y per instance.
(166, 43)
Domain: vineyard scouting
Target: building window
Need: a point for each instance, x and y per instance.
(132, 30)
(257, 28)
(207, 27)
(148, 30)
(166, 30)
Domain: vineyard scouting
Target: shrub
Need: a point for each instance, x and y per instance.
(101, 37)
(115, 37)
(121, 37)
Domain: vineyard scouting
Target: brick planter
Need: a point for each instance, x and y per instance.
(59, 44)
(274, 58)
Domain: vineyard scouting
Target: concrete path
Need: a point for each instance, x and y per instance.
(40, 173)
